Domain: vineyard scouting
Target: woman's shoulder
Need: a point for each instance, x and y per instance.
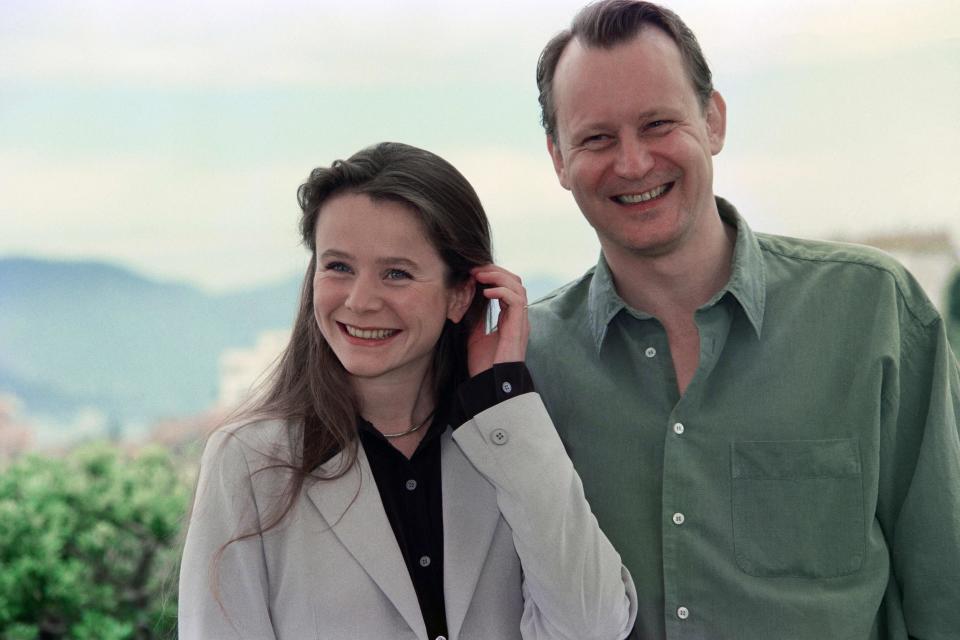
(255, 441)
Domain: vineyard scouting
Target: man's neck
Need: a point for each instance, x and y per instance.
(678, 282)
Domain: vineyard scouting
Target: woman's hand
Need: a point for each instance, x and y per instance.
(509, 342)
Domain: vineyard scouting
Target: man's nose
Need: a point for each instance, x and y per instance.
(364, 296)
(633, 160)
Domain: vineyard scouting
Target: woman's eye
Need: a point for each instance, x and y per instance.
(398, 274)
(337, 266)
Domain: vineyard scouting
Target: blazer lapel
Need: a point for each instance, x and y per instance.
(352, 507)
(470, 516)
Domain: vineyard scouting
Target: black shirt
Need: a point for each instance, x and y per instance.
(411, 489)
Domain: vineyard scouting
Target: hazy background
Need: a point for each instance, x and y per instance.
(170, 137)
(168, 140)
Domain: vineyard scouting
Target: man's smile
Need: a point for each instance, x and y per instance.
(635, 198)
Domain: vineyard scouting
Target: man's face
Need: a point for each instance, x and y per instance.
(634, 146)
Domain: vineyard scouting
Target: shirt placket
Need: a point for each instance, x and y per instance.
(679, 513)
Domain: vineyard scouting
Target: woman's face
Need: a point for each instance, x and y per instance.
(379, 292)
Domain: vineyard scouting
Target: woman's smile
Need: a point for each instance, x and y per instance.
(368, 335)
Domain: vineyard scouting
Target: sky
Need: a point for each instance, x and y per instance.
(170, 137)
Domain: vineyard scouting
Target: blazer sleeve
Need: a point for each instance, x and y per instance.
(224, 591)
(575, 585)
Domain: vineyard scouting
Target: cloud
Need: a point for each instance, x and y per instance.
(220, 227)
(786, 34)
(232, 226)
(537, 227)
(244, 44)
(377, 42)
(122, 137)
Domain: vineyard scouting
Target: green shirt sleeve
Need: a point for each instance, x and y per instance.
(919, 498)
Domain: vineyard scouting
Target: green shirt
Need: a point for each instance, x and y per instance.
(807, 484)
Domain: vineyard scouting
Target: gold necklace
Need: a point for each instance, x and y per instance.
(411, 429)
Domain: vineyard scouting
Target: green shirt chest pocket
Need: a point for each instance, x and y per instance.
(797, 507)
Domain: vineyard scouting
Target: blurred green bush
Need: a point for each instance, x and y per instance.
(89, 544)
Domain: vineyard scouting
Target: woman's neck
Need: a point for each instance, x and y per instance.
(396, 406)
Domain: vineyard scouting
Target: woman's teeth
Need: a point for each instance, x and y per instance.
(369, 334)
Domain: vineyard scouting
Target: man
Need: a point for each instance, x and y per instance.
(767, 428)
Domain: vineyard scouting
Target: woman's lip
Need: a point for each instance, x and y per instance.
(379, 334)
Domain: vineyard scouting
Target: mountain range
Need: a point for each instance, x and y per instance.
(77, 334)
(91, 334)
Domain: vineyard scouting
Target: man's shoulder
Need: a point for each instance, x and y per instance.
(561, 317)
(564, 302)
(828, 251)
(865, 267)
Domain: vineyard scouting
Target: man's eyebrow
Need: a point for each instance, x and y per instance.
(655, 112)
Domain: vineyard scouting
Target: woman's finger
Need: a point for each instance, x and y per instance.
(491, 269)
(497, 279)
(507, 296)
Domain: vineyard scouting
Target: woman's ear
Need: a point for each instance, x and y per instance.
(461, 295)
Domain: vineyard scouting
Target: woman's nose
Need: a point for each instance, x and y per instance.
(364, 296)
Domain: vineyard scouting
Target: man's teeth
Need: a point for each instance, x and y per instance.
(370, 334)
(634, 198)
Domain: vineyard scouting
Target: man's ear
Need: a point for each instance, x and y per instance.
(558, 165)
(460, 299)
(716, 122)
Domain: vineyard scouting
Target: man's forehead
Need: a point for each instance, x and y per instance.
(585, 72)
(651, 52)
(578, 49)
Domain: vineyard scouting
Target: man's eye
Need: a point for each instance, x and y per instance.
(398, 274)
(658, 125)
(337, 266)
(596, 140)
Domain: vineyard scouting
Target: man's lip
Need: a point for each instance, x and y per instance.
(638, 197)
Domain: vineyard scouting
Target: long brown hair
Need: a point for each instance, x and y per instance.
(308, 388)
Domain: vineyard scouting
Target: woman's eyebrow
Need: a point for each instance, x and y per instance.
(394, 261)
(334, 253)
(386, 260)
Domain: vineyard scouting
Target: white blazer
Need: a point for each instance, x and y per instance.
(523, 555)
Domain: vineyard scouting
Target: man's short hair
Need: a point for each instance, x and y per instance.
(608, 23)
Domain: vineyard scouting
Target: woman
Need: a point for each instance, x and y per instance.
(345, 505)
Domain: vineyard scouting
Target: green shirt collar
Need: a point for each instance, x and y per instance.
(747, 284)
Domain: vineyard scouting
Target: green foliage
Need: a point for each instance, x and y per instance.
(88, 545)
